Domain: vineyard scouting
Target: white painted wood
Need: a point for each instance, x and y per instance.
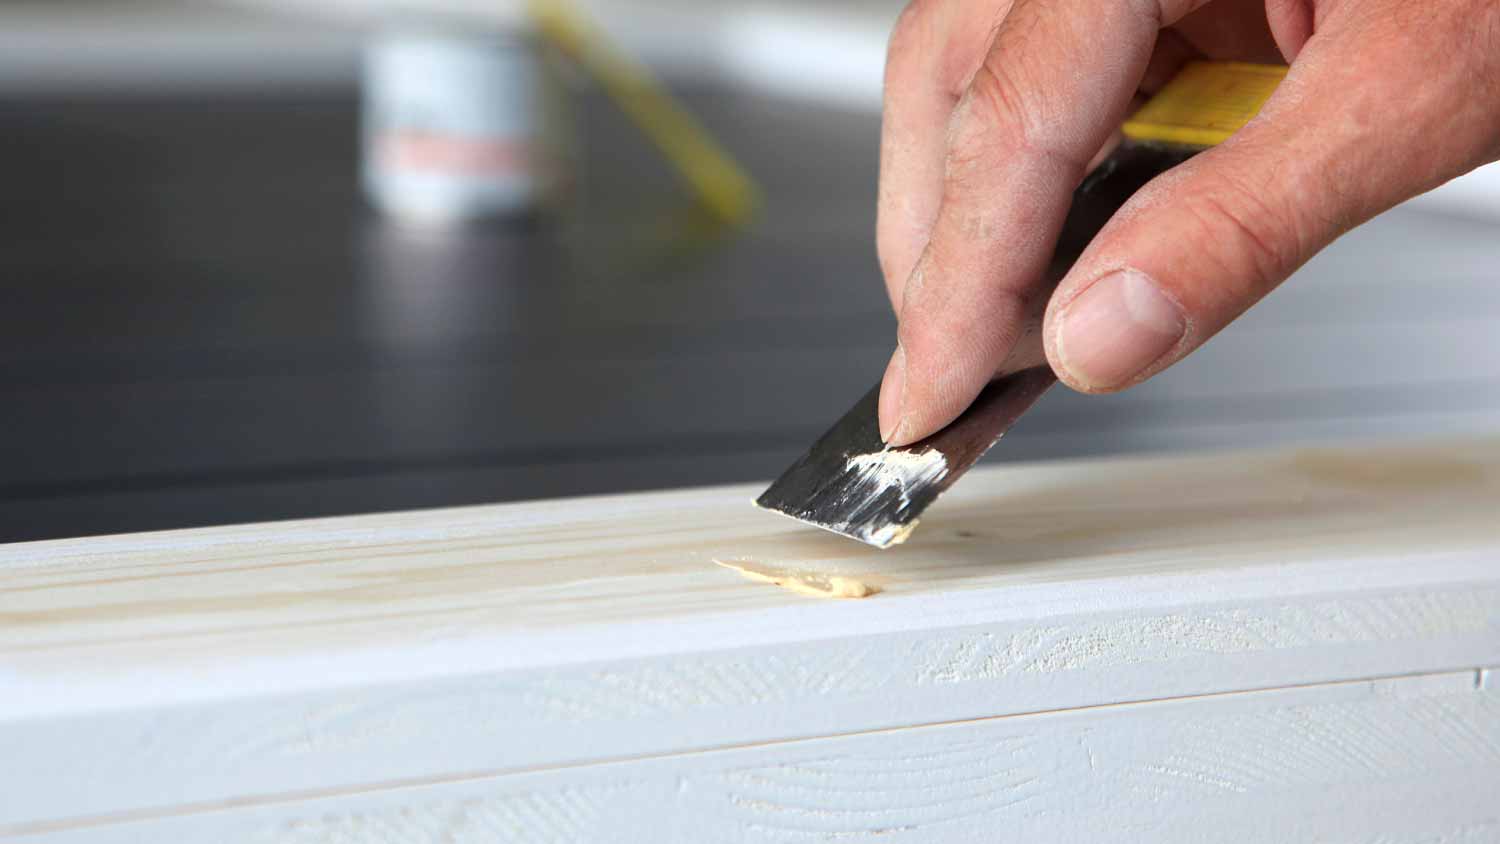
(1413, 759)
(404, 663)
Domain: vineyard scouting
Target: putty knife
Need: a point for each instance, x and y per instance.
(851, 483)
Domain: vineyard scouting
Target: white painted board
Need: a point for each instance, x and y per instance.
(1409, 760)
(169, 676)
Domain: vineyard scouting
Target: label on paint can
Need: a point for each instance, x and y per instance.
(453, 125)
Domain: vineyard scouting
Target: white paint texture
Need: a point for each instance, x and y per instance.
(1401, 760)
(1064, 652)
(894, 468)
(870, 479)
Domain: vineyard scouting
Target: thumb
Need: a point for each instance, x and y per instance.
(1342, 139)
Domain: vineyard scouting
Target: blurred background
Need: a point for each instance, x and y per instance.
(298, 258)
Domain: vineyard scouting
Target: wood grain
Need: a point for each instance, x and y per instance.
(1397, 761)
(155, 674)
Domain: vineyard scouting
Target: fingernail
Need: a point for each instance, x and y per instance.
(1117, 327)
(891, 388)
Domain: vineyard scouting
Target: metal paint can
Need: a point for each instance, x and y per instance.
(454, 124)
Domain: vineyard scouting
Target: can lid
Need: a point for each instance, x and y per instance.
(510, 14)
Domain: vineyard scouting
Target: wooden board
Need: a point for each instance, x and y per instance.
(1286, 645)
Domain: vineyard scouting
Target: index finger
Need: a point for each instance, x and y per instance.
(934, 48)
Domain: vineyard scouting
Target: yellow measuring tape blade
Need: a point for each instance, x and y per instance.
(1205, 103)
(712, 172)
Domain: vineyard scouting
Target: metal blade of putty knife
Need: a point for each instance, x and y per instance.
(851, 483)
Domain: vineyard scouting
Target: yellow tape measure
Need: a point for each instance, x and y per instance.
(708, 168)
(1205, 103)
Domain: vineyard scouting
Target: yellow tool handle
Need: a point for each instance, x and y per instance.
(1205, 103)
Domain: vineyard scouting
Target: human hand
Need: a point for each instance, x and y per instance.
(994, 110)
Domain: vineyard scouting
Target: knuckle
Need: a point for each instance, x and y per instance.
(1162, 12)
(999, 102)
(924, 342)
(1260, 237)
(936, 41)
(908, 36)
(991, 120)
(1001, 114)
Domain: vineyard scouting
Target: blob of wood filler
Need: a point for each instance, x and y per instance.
(815, 583)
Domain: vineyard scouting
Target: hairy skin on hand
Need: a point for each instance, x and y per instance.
(994, 110)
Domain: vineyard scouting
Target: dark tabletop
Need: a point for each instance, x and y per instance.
(201, 323)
